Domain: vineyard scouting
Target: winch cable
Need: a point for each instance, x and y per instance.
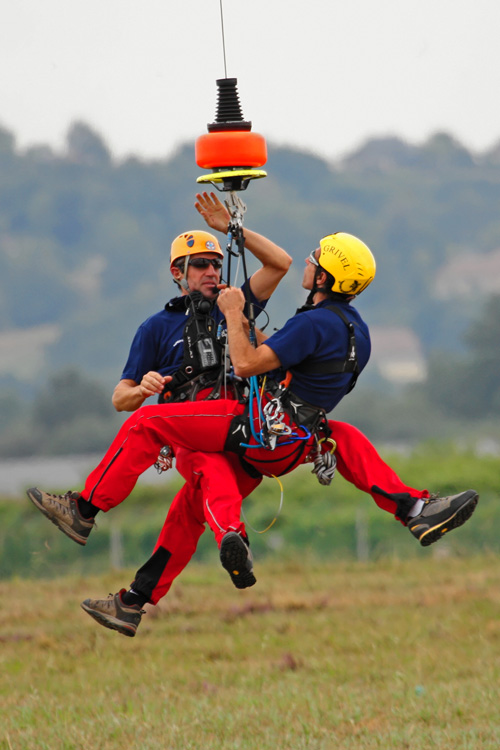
(234, 153)
(223, 38)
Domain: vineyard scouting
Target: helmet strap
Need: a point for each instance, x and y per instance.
(182, 283)
(309, 300)
(310, 297)
(315, 287)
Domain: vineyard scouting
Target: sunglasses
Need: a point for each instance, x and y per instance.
(206, 262)
(311, 258)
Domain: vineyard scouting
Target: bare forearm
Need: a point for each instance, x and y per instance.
(275, 263)
(241, 351)
(268, 252)
(245, 358)
(127, 397)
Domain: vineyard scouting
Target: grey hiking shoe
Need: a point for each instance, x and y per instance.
(114, 614)
(63, 511)
(236, 558)
(442, 514)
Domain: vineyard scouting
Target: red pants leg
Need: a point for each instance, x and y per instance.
(214, 489)
(360, 464)
(223, 484)
(197, 426)
(176, 544)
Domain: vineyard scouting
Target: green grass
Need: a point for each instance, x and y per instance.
(387, 654)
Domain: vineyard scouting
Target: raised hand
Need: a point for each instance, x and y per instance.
(213, 211)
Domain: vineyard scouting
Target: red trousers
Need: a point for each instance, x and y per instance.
(216, 483)
(200, 426)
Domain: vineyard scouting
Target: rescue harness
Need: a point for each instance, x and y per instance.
(203, 361)
(275, 416)
(335, 366)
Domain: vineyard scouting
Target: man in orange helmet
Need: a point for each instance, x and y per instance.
(158, 366)
(196, 260)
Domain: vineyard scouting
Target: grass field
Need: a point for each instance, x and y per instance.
(379, 655)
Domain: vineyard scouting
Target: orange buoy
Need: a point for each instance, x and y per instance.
(230, 148)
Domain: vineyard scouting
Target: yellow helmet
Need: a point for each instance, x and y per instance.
(349, 261)
(191, 243)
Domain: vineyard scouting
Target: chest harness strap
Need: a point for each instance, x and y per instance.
(336, 366)
(203, 359)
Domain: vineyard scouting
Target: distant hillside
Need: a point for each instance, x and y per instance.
(84, 240)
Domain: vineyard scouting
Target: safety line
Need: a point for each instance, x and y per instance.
(275, 517)
(223, 38)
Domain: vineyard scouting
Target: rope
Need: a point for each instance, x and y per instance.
(223, 39)
(275, 517)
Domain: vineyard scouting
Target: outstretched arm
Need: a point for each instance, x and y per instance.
(275, 261)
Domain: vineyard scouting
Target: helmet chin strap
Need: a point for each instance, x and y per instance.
(315, 287)
(183, 282)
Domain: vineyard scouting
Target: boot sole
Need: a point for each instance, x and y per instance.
(110, 622)
(457, 519)
(59, 524)
(234, 559)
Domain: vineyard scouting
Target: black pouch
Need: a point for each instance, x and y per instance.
(239, 432)
(304, 414)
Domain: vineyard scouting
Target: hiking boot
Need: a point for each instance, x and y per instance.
(236, 558)
(114, 614)
(442, 514)
(63, 511)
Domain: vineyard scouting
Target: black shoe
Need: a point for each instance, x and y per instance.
(63, 511)
(236, 558)
(114, 614)
(442, 514)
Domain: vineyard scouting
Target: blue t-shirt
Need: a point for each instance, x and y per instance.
(158, 344)
(320, 335)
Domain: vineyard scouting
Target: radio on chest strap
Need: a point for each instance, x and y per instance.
(203, 353)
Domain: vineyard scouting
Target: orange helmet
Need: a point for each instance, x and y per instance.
(191, 243)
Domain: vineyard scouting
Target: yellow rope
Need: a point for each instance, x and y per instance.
(276, 516)
(263, 386)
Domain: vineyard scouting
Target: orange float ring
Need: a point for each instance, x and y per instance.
(230, 148)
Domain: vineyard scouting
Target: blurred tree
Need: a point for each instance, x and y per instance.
(7, 141)
(383, 154)
(442, 150)
(67, 396)
(12, 407)
(86, 147)
(470, 385)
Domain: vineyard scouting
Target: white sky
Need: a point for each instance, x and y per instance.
(324, 75)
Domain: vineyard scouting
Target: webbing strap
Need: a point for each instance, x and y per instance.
(335, 366)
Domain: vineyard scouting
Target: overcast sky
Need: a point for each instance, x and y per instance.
(324, 75)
